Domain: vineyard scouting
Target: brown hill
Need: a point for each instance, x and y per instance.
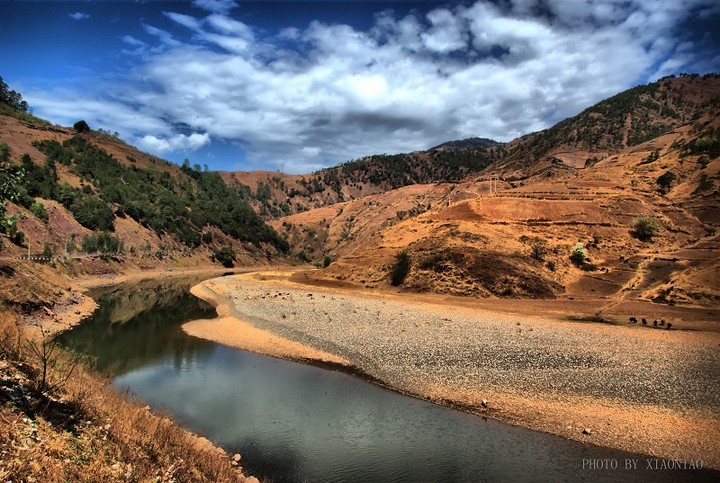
(517, 241)
(275, 194)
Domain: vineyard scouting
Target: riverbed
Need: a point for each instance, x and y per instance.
(296, 422)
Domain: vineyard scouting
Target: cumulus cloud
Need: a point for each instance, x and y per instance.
(79, 16)
(178, 142)
(318, 95)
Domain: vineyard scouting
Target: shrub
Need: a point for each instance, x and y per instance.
(705, 184)
(39, 211)
(226, 256)
(70, 244)
(645, 227)
(538, 252)
(666, 180)
(18, 238)
(4, 153)
(48, 251)
(103, 242)
(578, 254)
(401, 268)
(89, 244)
(326, 261)
(93, 214)
(108, 243)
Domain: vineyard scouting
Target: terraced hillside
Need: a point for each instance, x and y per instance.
(515, 237)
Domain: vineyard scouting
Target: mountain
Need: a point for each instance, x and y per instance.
(515, 237)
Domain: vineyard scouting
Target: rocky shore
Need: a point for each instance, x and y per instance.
(655, 392)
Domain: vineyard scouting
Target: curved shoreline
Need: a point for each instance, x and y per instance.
(234, 332)
(638, 427)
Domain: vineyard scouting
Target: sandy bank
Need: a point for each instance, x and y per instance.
(234, 332)
(642, 390)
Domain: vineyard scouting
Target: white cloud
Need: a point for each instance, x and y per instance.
(186, 20)
(217, 6)
(79, 16)
(179, 142)
(130, 40)
(165, 37)
(327, 93)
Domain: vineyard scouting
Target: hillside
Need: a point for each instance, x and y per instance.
(275, 194)
(103, 206)
(623, 121)
(517, 241)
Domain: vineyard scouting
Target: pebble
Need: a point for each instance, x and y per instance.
(411, 347)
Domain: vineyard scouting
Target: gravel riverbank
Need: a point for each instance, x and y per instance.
(651, 391)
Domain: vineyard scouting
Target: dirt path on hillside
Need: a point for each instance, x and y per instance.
(648, 391)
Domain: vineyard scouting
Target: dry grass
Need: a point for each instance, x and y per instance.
(84, 431)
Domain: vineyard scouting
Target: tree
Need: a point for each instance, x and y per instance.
(401, 268)
(81, 126)
(10, 181)
(645, 227)
(93, 214)
(226, 256)
(666, 180)
(11, 98)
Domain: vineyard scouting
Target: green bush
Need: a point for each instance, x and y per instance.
(39, 211)
(578, 254)
(401, 268)
(4, 153)
(226, 256)
(645, 227)
(70, 244)
(326, 261)
(93, 214)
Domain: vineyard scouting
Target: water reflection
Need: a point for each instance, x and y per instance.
(139, 323)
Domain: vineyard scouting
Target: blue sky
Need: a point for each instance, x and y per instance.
(303, 85)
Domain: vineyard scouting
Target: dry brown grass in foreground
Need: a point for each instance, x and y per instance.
(81, 430)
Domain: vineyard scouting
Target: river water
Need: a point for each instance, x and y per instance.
(295, 423)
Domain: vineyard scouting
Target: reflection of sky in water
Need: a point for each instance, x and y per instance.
(294, 422)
